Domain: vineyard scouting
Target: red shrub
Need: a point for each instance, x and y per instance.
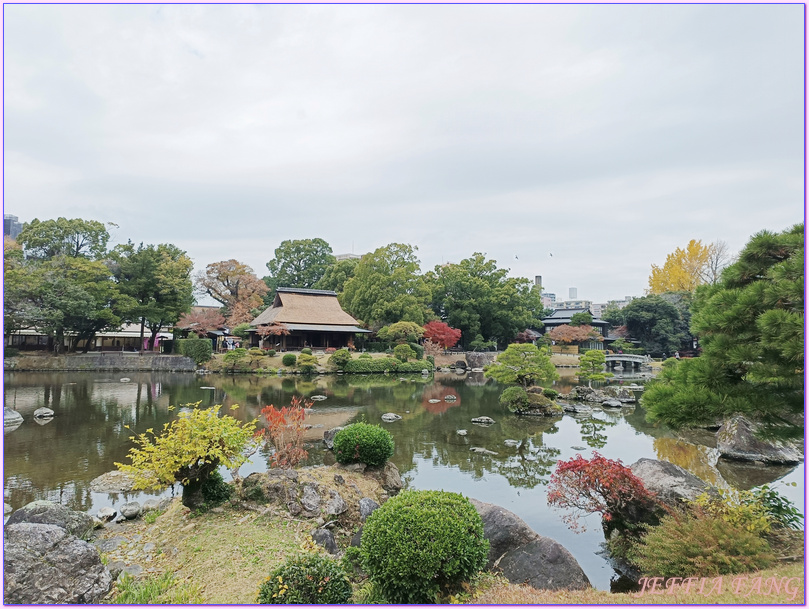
(286, 427)
(602, 486)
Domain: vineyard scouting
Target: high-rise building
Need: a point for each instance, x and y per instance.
(573, 294)
(11, 226)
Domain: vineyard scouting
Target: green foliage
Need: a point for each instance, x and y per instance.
(306, 351)
(695, 544)
(365, 356)
(163, 589)
(581, 319)
(591, 366)
(306, 579)
(74, 238)
(11, 352)
(241, 330)
(340, 358)
(431, 360)
(215, 490)
(522, 363)
(416, 366)
(198, 349)
(387, 287)
(420, 544)
(750, 327)
(271, 353)
(337, 275)
(403, 352)
(401, 332)
(289, 360)
(515, 399)
(307, 362)
(782, 511)
(364, 365)
(551, 394)
(418, 349)
(480, 299)
(656, 323)
(234, 357)
(188, 450)
(363, 443)
(298, 263)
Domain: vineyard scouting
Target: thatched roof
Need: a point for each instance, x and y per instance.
(313, 307)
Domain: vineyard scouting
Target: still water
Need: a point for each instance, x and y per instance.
(58, 459)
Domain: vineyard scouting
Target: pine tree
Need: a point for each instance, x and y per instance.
(750, 326)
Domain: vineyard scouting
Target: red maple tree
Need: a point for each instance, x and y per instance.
(201, 321)
(286, 427)
(442, 334)
(567, 335)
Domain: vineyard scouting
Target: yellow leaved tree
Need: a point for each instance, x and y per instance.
(189, 449)
(685, 269)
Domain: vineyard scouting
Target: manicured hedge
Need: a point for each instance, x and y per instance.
(198, 349)
(381, 364)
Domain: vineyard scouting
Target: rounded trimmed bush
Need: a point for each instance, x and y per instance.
(289, 360)
(551, 394)
(340, 358)
(515, 399)
(271, 352)
(257, 351)
(423, 543)
(306, 350)
(403, 353)
(363, 443)
(307, 579)
(365, 356)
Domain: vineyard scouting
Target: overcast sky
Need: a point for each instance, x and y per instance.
(580, 143)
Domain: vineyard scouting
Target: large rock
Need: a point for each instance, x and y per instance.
(673, 485)
(336, 504)
(388, 476)
(328, 437)
(367, 507)
(390, 417)
(310, 500)
(479, 360)
(44, 564)
(738, 439)
(43, 413)
(130, 510)
(48, 512)
(325, 538)
(526, 557)
(112, 482)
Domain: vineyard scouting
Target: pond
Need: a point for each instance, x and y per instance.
(57, 460)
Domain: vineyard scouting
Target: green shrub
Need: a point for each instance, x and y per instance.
(403, 353)
(782, 511)
(423, 543)
(700, 545)
(377, 347)
(289, 360)
(416, 366)
(11, 352)
(515, 399)
(431, 360)
(363, 443)
(551, 394)
(307, 363)
(418, 349)
(365, 356)
(339, 358)
(256, 351)
(198, 349)
(241, 330)
(215, 490)
(234, 358)
(306, 579)
(271, 353)
(306, 350)
(362, 365)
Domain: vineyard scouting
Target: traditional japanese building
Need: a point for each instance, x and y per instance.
(304, 318)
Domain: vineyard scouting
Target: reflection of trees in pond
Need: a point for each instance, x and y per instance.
(531, 466)
(591, 430)
(699, 460)
(440, 393)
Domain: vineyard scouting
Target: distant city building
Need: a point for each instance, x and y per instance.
(573, 293)
(598, 309)
(572, 304)
(11, 226)
(549, 300)
(340, 257)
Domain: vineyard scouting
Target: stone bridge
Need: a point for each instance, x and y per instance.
(626, 361)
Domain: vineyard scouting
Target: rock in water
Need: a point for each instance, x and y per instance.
(44, 564)
(672, 484)
(611, 404)
(130, 510)
(11, 418)
(390, 417)
(483, 421)
(461, 432)
(481, 451)
(106, 514)
(523, 556)
(43, 413)
(738, 439)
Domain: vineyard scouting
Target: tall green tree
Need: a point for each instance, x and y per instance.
(158, 279)
(483, 302)
(337, 275)
(298, 263)
(76, 238)
(387, 287)
(591, 367)
(750, 326)
(656, 323)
